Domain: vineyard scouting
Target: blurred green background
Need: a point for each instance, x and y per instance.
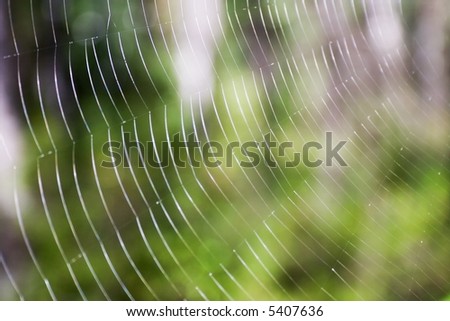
(78, 74)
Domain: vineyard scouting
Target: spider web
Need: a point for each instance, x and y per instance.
(87, 73)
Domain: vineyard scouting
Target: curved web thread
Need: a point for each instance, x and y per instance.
(228, 232)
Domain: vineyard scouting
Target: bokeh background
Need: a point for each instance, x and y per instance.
(75, 75)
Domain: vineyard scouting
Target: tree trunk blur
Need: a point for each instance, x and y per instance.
(430, 56)
(11, 144)
(10, 134)
(362, 55)
(196, 31)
